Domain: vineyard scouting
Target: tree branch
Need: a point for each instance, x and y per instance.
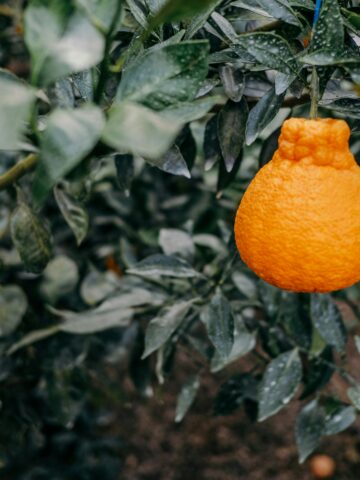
(18, 170)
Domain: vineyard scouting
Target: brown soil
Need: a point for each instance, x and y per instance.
(205, 447)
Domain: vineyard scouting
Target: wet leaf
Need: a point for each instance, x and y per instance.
(33, 337)
(100, 13)
(190, 111)
(309, 429)
(357, 342)
(354, 395)
(15, 104)
(176, 242)
(13, 305)
(234, 391)
(244, 284)
(73, 212)
(244, 342)
(60, 277)
(271, 8)
(186, 398)
(198, 21)
(231, 131)
(96, 286)
(262, 114)
(339, 420)
(132, 128)
(270, 50)
(125, 171)
(269, 147)
(224, 26)
(60, 40)
(166, 76)
(327, 319)
(174, 10)
(319, 372)
(165, 265)
(219, 322)
(160, 328)
(173, 162)
(211, 144)
(328, 35)
(279, 384)
(233, 82)
(70, 136)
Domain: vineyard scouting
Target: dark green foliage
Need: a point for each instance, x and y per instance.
(147, 119)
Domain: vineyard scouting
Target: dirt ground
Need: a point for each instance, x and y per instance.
(205, 447)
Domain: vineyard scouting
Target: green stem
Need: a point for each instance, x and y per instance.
(314, 94)
(18, 171)
(104, 67)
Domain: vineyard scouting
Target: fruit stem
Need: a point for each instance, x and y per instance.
(18, 170)
(314, 94)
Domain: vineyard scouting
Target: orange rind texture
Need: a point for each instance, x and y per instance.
(298, 224)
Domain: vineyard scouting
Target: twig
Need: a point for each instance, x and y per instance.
(314, 94)
(104, 67)
(18, 170)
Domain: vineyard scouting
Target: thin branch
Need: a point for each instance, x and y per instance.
(104, 67)
(18, 171)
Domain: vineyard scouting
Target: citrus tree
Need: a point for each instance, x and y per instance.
(129, 131)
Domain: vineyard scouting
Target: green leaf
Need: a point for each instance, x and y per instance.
(351, 20)
(176, 242)
(219, 322)
(33, 337)
(111, 313)
(346, 106)
(60, 277)
(339, 420)
(270, 50)
(70, 135)
(354, 395)
(199, 20)
(233, 81)
(244, 284)
(13, 305)
(229, 34)
(160, 329)
(164, 265)
(166, 76)
(329, 30)
(139, 130)
(327, 319)
(172, 162)
(231, 131)
(178, 10)
(60, 40)
(74, 214)
(271, 8)
(319, 372)
(100, 12)
(244, 342)
(189, 111)
(357, 342)
(279, 384)
(262, 114)
(96, 286)
(269, 147)
(186, 398)
(309, 428)
(234, 391)
(16, 101)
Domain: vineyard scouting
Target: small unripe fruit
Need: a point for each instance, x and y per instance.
(322, 466)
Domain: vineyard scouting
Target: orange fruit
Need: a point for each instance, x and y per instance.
(298, 224)
(322, 466)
